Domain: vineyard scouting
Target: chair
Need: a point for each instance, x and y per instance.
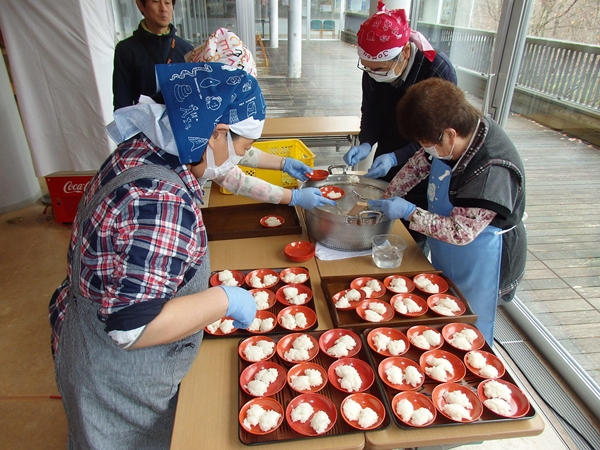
(329, 25)
(317, 25)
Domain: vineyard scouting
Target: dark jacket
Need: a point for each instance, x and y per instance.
(135, 58)
(379, 123)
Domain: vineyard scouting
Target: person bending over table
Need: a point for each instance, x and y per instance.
(476, 195)
(393, 57)
(127, 320)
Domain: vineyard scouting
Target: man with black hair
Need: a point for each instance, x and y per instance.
(154, 42)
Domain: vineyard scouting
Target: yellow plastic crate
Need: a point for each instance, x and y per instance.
(286, 148)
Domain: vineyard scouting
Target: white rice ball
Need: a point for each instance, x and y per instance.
(476, 360)
(273, 221)
(499, 406)
(225, 275)
(456, 412)
(396, 347)
(301, 320)
(253, 415)
(288, 321)
(460, 341)
(299, 299)
(267, 324)
(442, 310)
(266, 346)
(342, 302)
(255, 325)
(441, 362)
(269, 420)
(422, 282)
(372, 316)
(436, 372)
(405, 409)
(338, 350)
(256, 282)
(373, 285)
(412, 376)
(260, 351)
(449, 303)
(379, 308)
(290, 292)
(421, 416)
(347, 340)
(420, 341)
(226, 326)
(394, 374)
(411, 305)
(459, 398)
(270, 279)
(314, 377)
(267, 376)
(257, 387)
(302, 412)
(471, 335)
(400, 307)
(262, 300)
(352, 409)
(489, 371)
(433, 337)
(320, 421)
(303, 342)
(432, 288)
(494, 389)
(293, 354)
(353, 295)
(398, 285)
(367, 417)
(381, 341)
(213, 327)
(349, 378)
(300, 382)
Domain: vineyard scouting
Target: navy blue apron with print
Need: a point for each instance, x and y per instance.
(475, 267)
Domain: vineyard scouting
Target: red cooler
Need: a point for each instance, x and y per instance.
(66, 189)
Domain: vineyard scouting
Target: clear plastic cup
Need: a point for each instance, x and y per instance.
(387, 250)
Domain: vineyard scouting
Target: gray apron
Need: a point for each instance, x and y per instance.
(116, 398)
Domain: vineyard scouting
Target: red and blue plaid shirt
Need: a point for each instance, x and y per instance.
(143, 242)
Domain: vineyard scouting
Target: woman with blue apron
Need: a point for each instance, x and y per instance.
(476, 196)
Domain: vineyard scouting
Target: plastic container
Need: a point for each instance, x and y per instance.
(286, 148)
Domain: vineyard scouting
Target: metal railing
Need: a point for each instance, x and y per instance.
(566, 71)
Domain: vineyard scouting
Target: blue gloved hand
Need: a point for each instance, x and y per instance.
(394, 208)
(357, 153)
(309, 198)
(242, 306)
(296, 169)
(382, 165)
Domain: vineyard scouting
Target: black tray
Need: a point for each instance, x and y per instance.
(285, 432)
(471, 381)
(351, 319)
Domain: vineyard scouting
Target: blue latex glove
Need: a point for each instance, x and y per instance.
(242, 306)
(296, 169)
(309, 198)
(394, 208)
(357, 153)
(382, 165)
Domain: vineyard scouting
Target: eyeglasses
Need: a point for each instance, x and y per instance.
(379, 72)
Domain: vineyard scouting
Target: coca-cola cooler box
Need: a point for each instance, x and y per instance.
(66, 189)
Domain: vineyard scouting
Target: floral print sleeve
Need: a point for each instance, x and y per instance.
(414, 171)
(460, 228)
(251, 157)
(239, 183)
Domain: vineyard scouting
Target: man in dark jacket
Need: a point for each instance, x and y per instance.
(154, 42)
(393, 58)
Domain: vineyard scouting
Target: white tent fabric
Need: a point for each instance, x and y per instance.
(61, 58)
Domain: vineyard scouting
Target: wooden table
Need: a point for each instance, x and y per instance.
(316, 131)
(207, 410)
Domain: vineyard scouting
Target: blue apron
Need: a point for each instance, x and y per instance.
(475, 267)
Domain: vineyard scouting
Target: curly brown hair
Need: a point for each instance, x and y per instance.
(430, 107)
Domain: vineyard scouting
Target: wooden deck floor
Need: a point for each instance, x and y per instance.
(562, 282)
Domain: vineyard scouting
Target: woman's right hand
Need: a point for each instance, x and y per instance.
(242, 306)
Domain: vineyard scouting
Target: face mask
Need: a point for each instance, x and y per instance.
(213, 171)
(433, 152)
(388, 77)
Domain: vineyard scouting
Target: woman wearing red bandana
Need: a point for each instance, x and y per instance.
(393, 58)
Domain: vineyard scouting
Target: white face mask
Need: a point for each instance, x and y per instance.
(390, 76)
(213, 171)
(433, 152)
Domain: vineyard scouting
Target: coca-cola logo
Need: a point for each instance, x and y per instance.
(74, 188)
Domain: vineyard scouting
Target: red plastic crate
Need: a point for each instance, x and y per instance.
(66, 190)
